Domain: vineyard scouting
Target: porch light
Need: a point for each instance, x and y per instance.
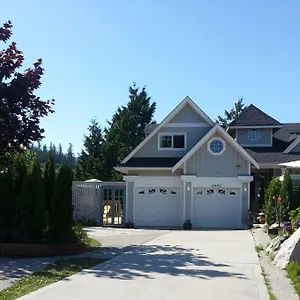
(245, 187)
(188, 186)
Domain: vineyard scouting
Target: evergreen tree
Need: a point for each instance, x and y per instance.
(49, 182)
(90, 161)
(7, 205)
(286, 194)
(60, 155)
(44, 154)
(31, 206)
(70, 156)
(20, 171)
(127, 128)
(62, 207)
(229, 116)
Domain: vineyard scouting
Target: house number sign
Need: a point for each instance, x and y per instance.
(216, 185)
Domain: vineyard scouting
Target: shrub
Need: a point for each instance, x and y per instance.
(272, 205)
(7, 205)
(286, 193)
(187, 225)
(61, 222)
(31, 207)
(295, 218)
(287, 227)
(49, 179)
(79, 235)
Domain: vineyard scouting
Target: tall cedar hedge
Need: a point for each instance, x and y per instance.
(49, 182)
(62, 207)
(31, 207)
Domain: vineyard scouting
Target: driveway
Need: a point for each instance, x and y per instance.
(212, 265)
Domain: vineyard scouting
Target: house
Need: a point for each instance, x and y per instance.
(189, 168)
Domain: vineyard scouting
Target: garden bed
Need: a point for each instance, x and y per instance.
(17, 249)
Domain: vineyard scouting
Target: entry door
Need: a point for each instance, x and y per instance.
(157, 206)
(113, 204)
(217, 208)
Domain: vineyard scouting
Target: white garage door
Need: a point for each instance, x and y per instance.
(157, 206)
(217, 208)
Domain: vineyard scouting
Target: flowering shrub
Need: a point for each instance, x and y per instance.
(297, 224)
(287, 227)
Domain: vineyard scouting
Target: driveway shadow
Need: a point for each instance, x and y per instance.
(148, 260)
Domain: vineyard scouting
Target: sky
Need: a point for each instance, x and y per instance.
(214, 51)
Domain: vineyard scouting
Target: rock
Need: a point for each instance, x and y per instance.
(275, 244)
(274, 226)
(289, 251)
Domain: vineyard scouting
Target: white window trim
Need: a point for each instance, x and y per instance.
(256, 129)
(216, 139)
(172, 134)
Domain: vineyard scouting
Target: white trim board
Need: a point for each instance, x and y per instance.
(187, 125)
(186, 101)
(207, 137)
(292, 145)
(254, 127)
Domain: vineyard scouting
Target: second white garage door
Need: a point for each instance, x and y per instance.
(216, 208)
(157, 207)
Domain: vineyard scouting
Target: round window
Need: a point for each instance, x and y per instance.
(216, 146)
(253, 134)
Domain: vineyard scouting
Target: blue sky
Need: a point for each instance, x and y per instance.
(214, 51)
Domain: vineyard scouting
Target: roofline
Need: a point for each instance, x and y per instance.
(260, 126)
(216, 128)
(120, 168)
(292, 145)
(168, 118)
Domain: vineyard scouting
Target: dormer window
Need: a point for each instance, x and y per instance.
(253, 134)
(172, 141)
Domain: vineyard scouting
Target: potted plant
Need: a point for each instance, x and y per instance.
(187, 225)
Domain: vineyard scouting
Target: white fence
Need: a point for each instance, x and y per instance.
(86, 200)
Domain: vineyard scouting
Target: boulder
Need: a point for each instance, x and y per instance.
(289, 251)
(275, 244)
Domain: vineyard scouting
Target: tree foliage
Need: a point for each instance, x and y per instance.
(90, 162)
(62, 208)
(286, 193)
(20, 109)
(230, 115)
(31, 207)
(49, 182)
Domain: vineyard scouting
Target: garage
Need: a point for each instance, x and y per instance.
(216, 208)
(157, 206)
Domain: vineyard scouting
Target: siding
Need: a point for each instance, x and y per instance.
(296, 149)
(194, 134)
(188, 115)
(204, 164)
(129, 202)
(264, 139)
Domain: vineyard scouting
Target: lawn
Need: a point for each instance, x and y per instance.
(52, 273)
(293, 271)
(93, 244)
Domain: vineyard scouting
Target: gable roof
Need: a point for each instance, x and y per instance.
(206, 138)
(253, 116)
(186, 101)
(291, 127)
(292, 145)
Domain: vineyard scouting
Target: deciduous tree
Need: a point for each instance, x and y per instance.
(20, 109)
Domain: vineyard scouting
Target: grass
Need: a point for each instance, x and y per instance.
(293, 272)
(267, 283)
(93, 244)
(272, 236)
(51, 274)
(259, 248)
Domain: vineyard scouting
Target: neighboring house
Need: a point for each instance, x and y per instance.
(189, 168)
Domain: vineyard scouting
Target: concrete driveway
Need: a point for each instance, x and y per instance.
(212, 265)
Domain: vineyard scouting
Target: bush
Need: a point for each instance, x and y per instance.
(272, 205)
(79, 235)
(49, 178)
(62, 208)
(31, 207)
(295, 218)
(187, 225)
(286, 193)
(7, 205)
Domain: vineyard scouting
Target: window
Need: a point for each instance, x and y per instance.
(221, 192)
(151, 191)
(216, 146)
(253, 134)
(173, 192)
(163, 191)
(172, 141)
(210, 192)
(141, 192)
